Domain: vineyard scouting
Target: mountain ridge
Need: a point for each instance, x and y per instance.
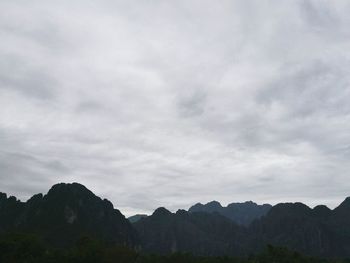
(240, 213)
(70, 211)
(64, 214)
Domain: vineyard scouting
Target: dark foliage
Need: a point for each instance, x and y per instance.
(21, 248)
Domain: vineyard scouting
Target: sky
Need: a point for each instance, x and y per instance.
(169, 103)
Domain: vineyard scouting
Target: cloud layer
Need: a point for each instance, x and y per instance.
(163, 103)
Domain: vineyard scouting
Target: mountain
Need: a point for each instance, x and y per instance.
(339, 223)
(66, 213)
(213, 206)
(240, 213)
(10, 210)
(316, 232)
(71, 211)
(198, 233)
(296, 226)
(135, 218)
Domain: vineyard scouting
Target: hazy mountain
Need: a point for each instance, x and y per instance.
(240, 213)
(65, 213)
(135, 218)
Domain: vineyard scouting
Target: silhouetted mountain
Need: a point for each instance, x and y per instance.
(65, 213)
(339, 223)
(70, 211)
(321, 211)
(199, 233)
(294, 225)
(135, 218)
(240, 213)
(318, 232)
(343, 210)
(213, 206)
(10, 211)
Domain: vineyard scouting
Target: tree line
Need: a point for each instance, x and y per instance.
(28, 248)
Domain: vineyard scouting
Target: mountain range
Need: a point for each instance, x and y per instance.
(240, 213)
(70, 211)
(65, 213)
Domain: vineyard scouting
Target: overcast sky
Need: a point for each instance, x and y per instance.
(170, 103)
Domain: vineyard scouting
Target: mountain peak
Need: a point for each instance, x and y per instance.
(181, 212)
(73, 187)
(246, 203)
(66, 192)
(161, 211)
(3, 196)
(321, 211)
(240, 213)
(35, 198)
(214, 204)
(289, 209)
(65, 213)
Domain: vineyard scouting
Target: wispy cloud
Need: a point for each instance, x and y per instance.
(162, 103)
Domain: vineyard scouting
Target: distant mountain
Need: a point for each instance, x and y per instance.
(135, 218)
(213, 206)
(65, 213)
(240, 213)
(198, 233)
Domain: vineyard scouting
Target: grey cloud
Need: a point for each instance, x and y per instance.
(24, 174)
(311, 87)
(17, 74)
(168, 104)
(89, 107)
(192, 104)
(318, 14)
